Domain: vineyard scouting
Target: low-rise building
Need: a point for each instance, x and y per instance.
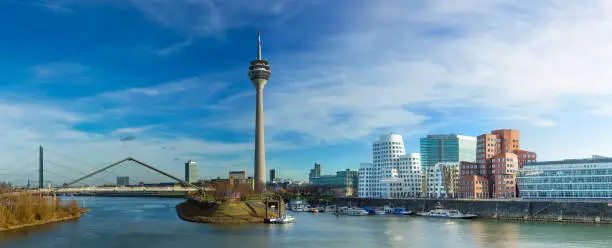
(589, 178)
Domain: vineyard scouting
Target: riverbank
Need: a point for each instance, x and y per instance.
(515, 210)
(38, 223)
(21, 209)
(223, 213)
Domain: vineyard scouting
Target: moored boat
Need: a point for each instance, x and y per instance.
(351, 211)
(284, 219)
(441, 212)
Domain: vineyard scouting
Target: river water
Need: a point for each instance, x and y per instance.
(152, 222)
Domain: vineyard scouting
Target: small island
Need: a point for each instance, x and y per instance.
(229, 204)
(20, 208)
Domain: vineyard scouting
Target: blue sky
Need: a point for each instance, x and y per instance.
(77, 76)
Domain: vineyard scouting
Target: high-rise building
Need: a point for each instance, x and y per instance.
(393, 173)
(447, 148)
(314, 172)
(123, 181)
(272, 175)
(191, 171)
(259, 73)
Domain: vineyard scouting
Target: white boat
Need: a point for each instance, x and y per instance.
(441, 212)
(283, 219)
(356, 212)
(297, 205)
(404, 212)
(378, 212)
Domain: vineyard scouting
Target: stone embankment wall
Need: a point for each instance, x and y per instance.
(561, 211)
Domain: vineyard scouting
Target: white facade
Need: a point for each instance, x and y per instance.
(393, 174)
(436, 186)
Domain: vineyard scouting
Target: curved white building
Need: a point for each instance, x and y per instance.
(392, 173)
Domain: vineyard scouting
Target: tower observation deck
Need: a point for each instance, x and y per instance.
(259, 73)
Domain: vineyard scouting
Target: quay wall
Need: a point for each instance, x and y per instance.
(525, 210)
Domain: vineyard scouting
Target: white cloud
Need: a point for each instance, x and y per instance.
(500, 58)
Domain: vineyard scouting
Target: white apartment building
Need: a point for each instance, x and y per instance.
(441, 180)
(392, 174)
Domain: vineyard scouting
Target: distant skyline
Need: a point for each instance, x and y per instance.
(166, 81)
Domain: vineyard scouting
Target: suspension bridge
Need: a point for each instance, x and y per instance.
(96, 183)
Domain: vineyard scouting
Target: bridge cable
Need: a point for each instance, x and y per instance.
(78, 161)
(74, 170)
(19, 158)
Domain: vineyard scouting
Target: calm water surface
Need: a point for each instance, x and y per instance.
(152, 222)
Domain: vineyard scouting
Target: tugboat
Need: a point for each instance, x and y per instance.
(441, 212)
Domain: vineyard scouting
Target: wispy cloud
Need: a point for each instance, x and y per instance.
(175, 47)
(131, 130)
(60, 72)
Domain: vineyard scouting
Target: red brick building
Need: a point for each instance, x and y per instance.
(472, 183)
(505, 167)
(525, 157)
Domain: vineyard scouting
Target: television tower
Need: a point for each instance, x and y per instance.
(259, 73)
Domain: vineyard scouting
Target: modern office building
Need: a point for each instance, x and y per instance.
(441, 180)
(342, 178)
(272, 175)
(393, 173)
(123, 181)
(314, 172)
(589, 178)
(346, 181)
(191, 171)
(447, 148)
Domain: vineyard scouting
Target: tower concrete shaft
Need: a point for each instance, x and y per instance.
(259, 73)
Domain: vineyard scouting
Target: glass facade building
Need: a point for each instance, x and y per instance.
(447, 148)
(346, 178)
(566, 179)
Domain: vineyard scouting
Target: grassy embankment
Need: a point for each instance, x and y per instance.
(239, 212)
(19, 209)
